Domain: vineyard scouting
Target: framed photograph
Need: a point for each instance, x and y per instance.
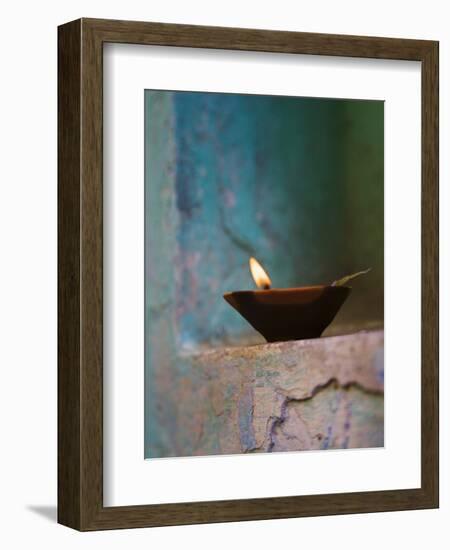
(248, 274)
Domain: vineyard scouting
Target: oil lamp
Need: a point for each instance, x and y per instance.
(281, 314)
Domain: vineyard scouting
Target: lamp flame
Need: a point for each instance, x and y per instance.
(260, 277)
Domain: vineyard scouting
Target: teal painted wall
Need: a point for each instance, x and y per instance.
(295, 182)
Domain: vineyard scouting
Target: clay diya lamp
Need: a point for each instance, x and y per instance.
(289, 313)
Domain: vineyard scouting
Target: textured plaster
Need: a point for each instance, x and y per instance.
(312, 394)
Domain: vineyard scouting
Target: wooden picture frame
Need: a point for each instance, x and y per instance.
(80, 272)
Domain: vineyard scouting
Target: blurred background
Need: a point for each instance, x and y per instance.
(295, 182)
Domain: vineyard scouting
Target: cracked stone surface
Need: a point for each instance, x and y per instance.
(326, 393)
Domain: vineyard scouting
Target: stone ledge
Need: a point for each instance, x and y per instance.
(309, 363)
(289, 396)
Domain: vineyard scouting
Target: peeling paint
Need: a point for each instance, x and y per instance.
(292, 396)
(246, 431)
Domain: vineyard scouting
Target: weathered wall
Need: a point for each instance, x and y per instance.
(312, 394)
(297, 183)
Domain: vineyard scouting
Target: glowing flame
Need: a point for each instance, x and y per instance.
(260, 277)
